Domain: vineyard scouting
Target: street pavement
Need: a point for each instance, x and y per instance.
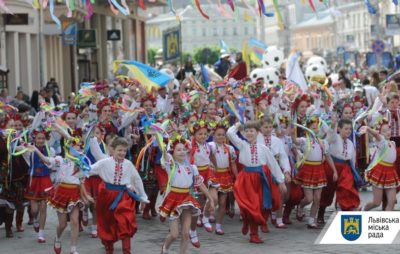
(151, 234)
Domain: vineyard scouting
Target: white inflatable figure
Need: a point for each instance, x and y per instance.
(318, 60)
(171, 75)
(272, 57)
(257, 74)
(271, 77)
(315, 70)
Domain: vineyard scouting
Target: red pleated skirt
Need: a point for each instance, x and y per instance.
(311, 176)
(162, 177)
(347, 195)
(328, 192)
(249, 196)
(114, 225)
(176, 201)
(225, 180)
(64, 197)
(208, 177)
(383, 176)
(37, 187)
(92, 185)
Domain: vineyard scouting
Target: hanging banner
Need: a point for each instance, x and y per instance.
(69, 32)
(392, 24)
(171, 44)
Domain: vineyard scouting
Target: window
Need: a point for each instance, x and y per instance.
(234, 31)
(215, 31)
(224, 31)
(204, 32)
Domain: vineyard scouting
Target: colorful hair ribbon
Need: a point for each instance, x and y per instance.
(198, 5)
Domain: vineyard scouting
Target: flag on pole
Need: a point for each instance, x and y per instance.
(224, 46)
(146, 75)
(245, 55)
(294, 73)
(256, 48)
(205, 75)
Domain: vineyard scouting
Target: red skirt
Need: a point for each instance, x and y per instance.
(92, 185)
(162, 177)
(224, 178)
(118, 224)
(176, 201)
(311, 176)
(64, 197)
(383, 176)
(346, 192)
(249, 196)
(37, 187)
(208, 176)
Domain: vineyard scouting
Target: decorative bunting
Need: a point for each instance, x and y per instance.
(370, 7)
(89, 9)
(197, 3)
(278, 15)
(312, 5)
(53, 16)
(141, 4)
(119, 7)
(231, 4)
(263, 10)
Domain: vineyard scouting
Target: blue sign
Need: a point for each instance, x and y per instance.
(340, 50)
(371, 59)
(351, 227)
(171, 44)
(387, 60)
(69, 33)
(378, 46)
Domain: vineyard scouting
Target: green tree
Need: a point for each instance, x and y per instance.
(151, 56)
(202, 58)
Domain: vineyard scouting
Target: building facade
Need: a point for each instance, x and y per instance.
(34, 52)
(198, 32)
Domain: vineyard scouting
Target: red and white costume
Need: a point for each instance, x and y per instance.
(384, 174)
(65, 195)
(278, 150)
(179, 197)
(118, 176)
(200, 156)
(224, 155)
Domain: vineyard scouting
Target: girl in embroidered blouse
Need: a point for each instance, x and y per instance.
(179, 201)
(382, 171)
(116, 198)
(311, 174)
(69, 196)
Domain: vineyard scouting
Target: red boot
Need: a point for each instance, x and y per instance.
(126, 246)
(109, 246)
(146, 212)
(286, 215)
(254, 238)
(245, 227)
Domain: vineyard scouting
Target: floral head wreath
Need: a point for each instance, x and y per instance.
(223, 124)
(187, 115)
(358, 99)
(149, 97)
(104, 102)
(342, 104)
(313, 119)
(379, 123)
(73, 110)
(304, 97)
(75, 140)
(18, 117)
(100, 85)
(284, 119)
(260, 98)
(197, 125)
(178, 139)
(40, 130)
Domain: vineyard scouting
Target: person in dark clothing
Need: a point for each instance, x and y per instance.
(188, 68)
(343, 77)
(223, 65)
(35, 100)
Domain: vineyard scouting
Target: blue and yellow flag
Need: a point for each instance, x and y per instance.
(146, 75)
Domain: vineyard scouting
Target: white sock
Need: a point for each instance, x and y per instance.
(205, 220)
(279, 221)
(273, 215)
(193, 236)
(311, 220)
(218, 227)
(94, 227)
(73, 249)
(41, 233)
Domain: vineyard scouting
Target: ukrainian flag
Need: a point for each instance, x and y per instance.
(147, 76)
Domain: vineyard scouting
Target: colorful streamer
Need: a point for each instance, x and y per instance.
(125, 5)
(53, 16)
(112, 8)
(119, 7)
(89, 9)
(231, 4)
(233, 111)
(278, 15)
(141, 4)
(198, 5)
(312, 5)
(370, 7)
(4, 7)
(263, 10)
(248, 6)
(222, 11)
